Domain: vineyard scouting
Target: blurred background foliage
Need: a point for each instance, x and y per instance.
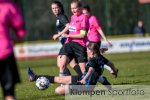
(117, 17)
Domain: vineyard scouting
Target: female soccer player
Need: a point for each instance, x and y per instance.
(94, 35)
(93, 71)
(61, 22)
(75, 46)
(10, 17)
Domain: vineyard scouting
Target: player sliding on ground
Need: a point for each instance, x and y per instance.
(93, 71)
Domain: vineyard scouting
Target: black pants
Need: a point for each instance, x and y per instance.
(9, 75)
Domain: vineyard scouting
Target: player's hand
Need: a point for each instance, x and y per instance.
(103, 50)
(55, 36)
(65, 35)
(108, 43)
(82, 81)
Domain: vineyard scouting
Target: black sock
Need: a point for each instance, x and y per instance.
(78, 70)
(67, 72)
(50, 78)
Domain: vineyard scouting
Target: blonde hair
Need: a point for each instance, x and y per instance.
(77, 2)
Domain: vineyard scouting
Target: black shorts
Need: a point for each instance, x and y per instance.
(8, 72)
(74, 50)
(66, 50)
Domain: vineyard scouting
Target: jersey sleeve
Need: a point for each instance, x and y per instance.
(91, 63)
(63, 19)
(16, 21)
(95, 22)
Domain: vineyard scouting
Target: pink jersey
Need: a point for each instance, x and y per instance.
(93, 34)
(77, 23)
(9, 17)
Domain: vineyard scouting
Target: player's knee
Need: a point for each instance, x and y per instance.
(57, 91)
(60, 90)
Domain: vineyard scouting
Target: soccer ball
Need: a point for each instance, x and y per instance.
(42, 83)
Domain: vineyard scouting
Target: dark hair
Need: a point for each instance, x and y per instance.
(60, 5)
(77, 2)
(94, 47)
(87, 7)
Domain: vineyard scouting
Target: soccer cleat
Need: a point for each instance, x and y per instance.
(31, 75)
(115, 73)
(106, 83)
(103, 80)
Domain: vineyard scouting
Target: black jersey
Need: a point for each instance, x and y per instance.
(97, 63)
(61, 22)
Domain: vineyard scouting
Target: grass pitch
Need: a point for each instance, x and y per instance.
(134, 68)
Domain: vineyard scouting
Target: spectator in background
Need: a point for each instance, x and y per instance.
(139, 30)
(10, 17)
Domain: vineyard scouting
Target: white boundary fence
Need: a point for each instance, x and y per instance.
(51, 49)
